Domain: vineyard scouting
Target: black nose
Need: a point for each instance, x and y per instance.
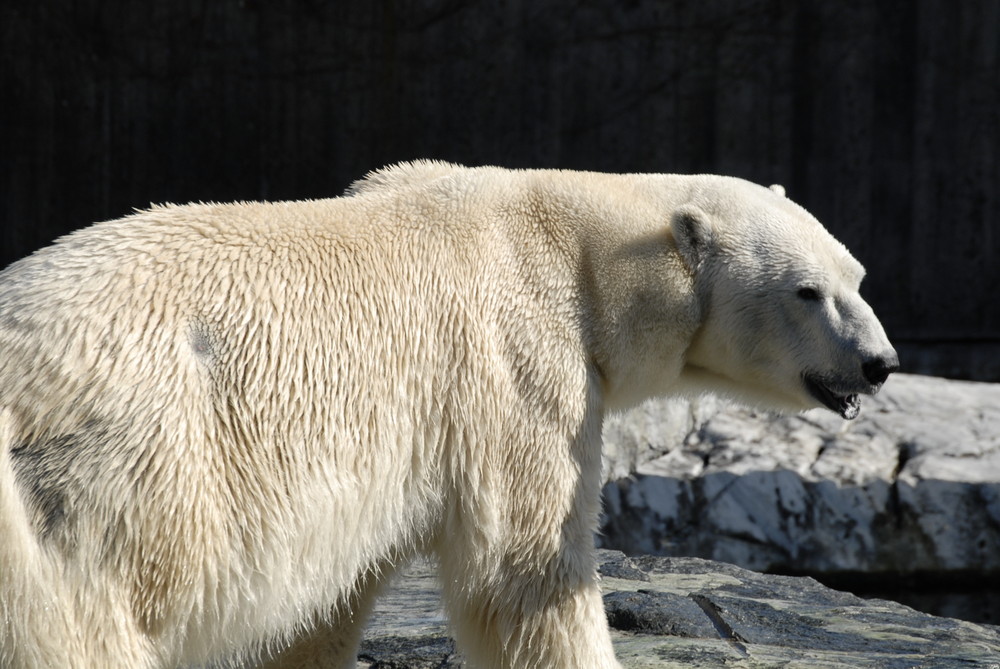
(877, 370)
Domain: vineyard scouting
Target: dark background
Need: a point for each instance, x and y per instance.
(882, 118)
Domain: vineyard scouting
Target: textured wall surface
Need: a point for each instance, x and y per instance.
(882, 118)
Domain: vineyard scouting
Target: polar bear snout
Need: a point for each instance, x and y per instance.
(878, 369)
(841, 395)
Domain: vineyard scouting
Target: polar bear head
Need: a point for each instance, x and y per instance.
(783, 324)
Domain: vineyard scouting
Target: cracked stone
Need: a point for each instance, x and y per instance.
(656, 621)
(910, 486)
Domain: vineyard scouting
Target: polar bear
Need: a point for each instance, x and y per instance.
(224, 426)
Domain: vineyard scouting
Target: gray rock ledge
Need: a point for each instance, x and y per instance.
(911, 486)
(692, 613)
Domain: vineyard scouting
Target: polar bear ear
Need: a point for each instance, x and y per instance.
(778, 188)
(693, 233)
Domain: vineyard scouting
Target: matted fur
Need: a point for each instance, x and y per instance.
(224, 426)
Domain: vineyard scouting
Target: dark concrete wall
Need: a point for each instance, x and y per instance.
(883, 118)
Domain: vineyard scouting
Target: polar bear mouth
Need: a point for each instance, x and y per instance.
(848, 406)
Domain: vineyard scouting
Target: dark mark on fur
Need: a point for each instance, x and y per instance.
(36, 466)
(200, 339)
(51, 471)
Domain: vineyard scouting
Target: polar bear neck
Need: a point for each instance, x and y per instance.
(639, 295)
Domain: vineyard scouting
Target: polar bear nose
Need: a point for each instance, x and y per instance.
(877, 370)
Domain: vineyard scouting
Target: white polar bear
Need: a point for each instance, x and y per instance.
(224, 426)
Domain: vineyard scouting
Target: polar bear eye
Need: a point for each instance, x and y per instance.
(810, 294)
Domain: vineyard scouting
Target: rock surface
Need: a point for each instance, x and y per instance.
(911, 486)
(692, 613)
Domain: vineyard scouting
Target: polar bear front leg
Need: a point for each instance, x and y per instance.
(517, 559)
(324, 646)
(519, 616)
(333, 643)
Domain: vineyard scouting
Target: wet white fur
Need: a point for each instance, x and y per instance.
(223, 426)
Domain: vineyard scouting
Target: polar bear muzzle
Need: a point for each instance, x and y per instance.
(846, 401)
